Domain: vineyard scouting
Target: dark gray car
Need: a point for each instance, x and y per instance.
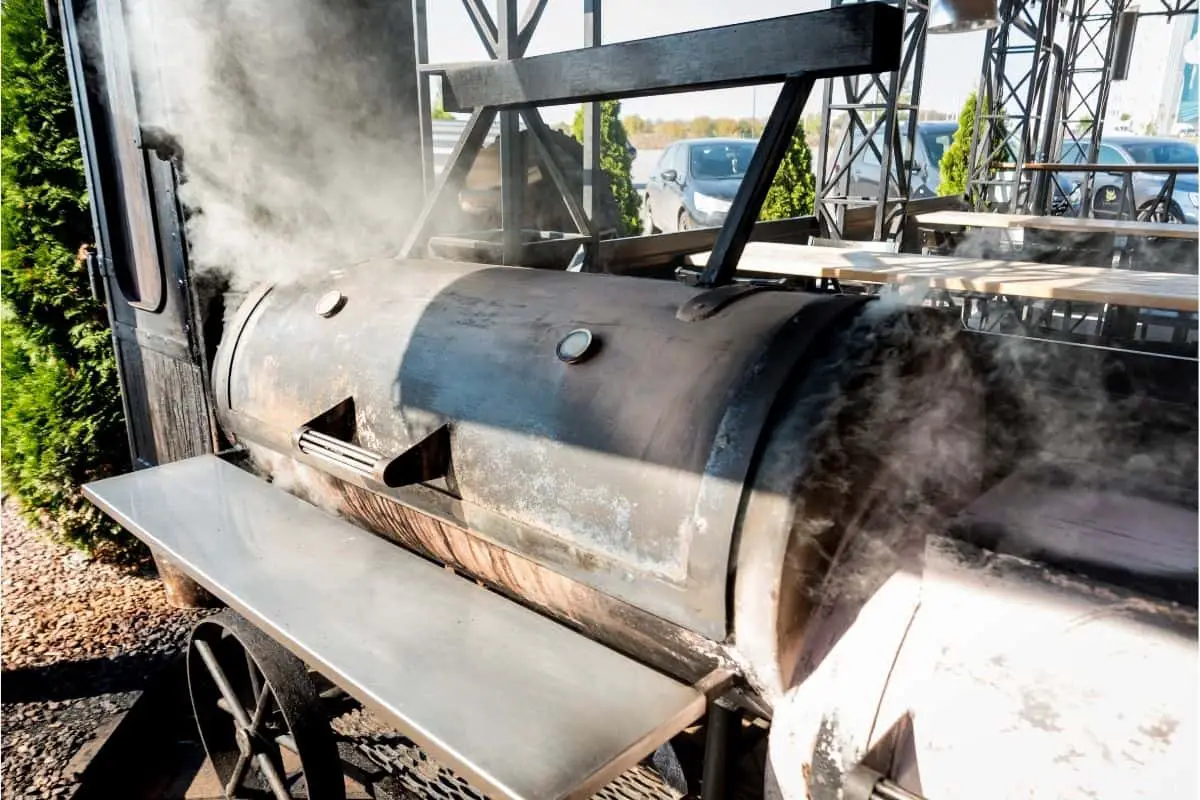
(694, 184)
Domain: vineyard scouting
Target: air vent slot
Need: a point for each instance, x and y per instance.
(342, 454)
(326, 438)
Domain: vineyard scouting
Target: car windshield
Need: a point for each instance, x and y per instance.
(936, 142)
(721, 160)
(1140, 152)
(1162, 152)
(1073, 153)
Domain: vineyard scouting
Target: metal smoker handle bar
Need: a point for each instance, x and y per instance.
(326, 437)
(864, 783)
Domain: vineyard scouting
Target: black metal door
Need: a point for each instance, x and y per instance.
(141, 256)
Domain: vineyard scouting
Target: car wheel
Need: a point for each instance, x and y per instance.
(648, 227)
(1148, 212)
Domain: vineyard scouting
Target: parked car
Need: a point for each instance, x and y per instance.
(1108, 188)
(694, 184)
(924, 164)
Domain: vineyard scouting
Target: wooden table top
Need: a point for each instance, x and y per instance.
(1116, 169)
(955, 220)
(986, 276)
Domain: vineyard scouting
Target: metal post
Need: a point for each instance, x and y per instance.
(722, 726)
(421, 32)
(591, 137)
(872, 105)
(747, 203)
(512, 167)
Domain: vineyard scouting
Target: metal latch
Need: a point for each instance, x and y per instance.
(95, 273)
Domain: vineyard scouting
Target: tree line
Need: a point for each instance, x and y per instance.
(654, 134)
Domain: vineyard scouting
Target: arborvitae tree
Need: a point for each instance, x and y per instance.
(955, 160)
(61, 411)
(616, 160)
(794, 189)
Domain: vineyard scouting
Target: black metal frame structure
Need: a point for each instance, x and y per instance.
(867, 105)
(1037, 96)
(1014, 109)
(858, 39)
(1085, 77)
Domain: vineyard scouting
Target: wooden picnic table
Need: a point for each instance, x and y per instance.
(1026, 279)
(957, 220)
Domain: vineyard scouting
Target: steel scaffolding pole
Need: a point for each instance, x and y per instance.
(1015, 106)
(1084, 86)
(874, 119)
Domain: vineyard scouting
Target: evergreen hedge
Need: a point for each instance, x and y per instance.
(793, 191)
(954, 164)
(60, 405)
(616, 159)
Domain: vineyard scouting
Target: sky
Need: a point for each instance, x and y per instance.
(952, 61)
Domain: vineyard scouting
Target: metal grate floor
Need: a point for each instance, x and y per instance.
(394, 767)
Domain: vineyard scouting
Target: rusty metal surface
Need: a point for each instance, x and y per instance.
(665, 646)
(623, 472)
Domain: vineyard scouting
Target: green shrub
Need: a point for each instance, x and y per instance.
(59, 401)
(793, 191)
(616, 159)
(955, 160)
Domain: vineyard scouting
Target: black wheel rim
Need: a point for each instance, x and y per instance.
(259, 715)
(1159, 212)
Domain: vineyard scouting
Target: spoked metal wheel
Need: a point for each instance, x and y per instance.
(259, 715)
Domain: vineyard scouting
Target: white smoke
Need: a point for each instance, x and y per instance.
(296, 478)
(297, 125)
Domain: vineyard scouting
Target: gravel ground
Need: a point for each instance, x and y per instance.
(79, 641)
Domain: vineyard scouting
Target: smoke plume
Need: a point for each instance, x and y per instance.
(294, 123)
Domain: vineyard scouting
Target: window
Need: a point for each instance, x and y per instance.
(867, 155)
(664, 161)
(1110, 155)
(679, 161)
(936, 143)
(1162, 153)
(721, 160)
(1073, 153)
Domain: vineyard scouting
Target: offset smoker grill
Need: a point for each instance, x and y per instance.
(783, 538)
(543, 522)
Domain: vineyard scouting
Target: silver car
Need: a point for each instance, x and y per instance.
(1108, 188)
(924, 165)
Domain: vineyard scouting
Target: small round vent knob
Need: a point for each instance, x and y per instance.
(576, 346)
(330, 303)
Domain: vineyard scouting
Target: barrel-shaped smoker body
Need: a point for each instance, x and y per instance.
(746, 479)
(615, 480)
(611, 469)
